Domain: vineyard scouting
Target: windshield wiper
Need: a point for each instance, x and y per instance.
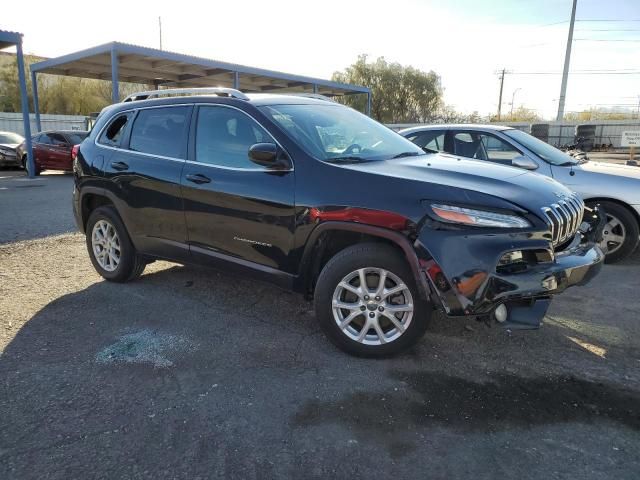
(346, 159)
(407, 154)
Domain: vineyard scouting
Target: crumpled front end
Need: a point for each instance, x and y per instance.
(509, 276)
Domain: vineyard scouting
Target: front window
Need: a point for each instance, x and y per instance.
(482, 146)
(333, 133)
(542, 149)
(10, 138)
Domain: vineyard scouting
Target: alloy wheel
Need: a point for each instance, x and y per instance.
(106, 245)
(614, 234)
(372, 306)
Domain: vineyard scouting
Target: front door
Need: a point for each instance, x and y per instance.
(234, 208)
(59, 152)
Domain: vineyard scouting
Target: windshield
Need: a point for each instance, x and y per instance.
(76, 137)
(336, 133)
(545, 151)
(10, 138)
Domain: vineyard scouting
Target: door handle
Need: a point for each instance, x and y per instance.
(197, 178)
(120, 166)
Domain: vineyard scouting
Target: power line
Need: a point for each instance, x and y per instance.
(608, 30)
(578, 73)
(605, 20)
(604, 40)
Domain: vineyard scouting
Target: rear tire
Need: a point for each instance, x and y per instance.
(393, 321)
(621, 233)
(25, 166)
(112, 254)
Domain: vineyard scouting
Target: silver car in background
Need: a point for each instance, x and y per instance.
(615, 187)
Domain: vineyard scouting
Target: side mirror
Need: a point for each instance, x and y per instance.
(524, 162)
(268, 155)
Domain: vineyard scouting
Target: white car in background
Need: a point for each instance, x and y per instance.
(615, 187)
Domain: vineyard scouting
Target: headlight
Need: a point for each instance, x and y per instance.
(478, 218)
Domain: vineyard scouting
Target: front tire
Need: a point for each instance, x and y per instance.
(621, 233)
(110, 249)
(381, 318)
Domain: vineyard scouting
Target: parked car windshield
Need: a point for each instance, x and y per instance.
(335, 133)
(545, 151)
(77, 137)
(9, 138)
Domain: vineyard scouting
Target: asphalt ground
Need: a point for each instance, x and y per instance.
(192, 373)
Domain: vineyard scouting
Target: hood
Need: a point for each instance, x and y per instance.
(610, 169)
(12, 146)
(527, 190)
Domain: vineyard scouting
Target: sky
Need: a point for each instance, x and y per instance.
(465, 41)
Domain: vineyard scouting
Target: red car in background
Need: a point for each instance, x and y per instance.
(52, 150)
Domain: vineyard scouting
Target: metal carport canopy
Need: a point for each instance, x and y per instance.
(10, 39)
(130, 63)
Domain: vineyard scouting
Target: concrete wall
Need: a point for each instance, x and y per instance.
(12, 122)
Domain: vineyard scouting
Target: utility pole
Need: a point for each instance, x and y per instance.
(567, 59)
(160, 30)
(500, 96)
(513, 97)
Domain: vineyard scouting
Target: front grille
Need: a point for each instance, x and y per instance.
(564, 218)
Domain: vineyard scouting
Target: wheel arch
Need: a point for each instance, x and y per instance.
(621, 203)
(92, 198)
(321, 246)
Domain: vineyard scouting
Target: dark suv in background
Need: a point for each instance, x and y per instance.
(316, 197)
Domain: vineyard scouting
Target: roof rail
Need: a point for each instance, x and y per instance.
(317, 96)
(220, 91)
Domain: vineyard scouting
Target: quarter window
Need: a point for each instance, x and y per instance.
(112, 135)
(224, 135)
(160, 131)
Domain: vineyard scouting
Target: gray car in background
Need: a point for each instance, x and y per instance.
(9, 142)
(615, 187)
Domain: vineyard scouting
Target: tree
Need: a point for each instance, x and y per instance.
(57, 94)
(521, 114)
(399, 94)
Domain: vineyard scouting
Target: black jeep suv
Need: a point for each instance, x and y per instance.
(316, 197)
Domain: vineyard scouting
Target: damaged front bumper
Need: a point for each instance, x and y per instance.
(469, 277)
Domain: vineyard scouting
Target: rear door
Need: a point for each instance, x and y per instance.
(234, 207)
(147, 153)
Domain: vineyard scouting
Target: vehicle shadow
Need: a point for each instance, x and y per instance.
(190, 372)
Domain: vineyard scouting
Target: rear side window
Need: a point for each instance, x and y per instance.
(429, 141)
(224, 135)
(58, 140)
(44, 139)
(112, 135)
(76, 138)
(160, 131)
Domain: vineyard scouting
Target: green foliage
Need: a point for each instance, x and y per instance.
(57, 94)
(521, 114)
(601, 114)
(399, 94)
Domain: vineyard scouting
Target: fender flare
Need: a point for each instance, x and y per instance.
(397, 238)
(98, 191)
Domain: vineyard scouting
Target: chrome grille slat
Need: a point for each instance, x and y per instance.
(564, 218)
(569, 225)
